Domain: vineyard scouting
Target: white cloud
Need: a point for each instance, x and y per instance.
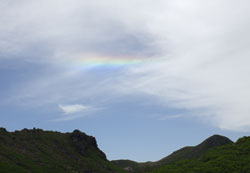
(207, 70)
(72, 109)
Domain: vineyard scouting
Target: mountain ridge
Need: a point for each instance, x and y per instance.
(39, 151)
(187, 152)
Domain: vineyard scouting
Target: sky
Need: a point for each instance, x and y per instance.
(144, 77)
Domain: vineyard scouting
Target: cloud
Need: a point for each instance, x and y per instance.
(199, 51)
(61, 28)
(72, 109)
(206, 71)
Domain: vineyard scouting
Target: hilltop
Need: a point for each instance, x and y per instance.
(41, 151)
(216, 154)
(234, 157)
(189, 152)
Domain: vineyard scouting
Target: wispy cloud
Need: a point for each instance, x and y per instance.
(206, 70)
(71, 109)
(74, 111)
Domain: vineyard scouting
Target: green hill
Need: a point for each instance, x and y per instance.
(196, 151)
(230, 158)
(185, 153)
(127, 165)
(38, 151)
(41, 151)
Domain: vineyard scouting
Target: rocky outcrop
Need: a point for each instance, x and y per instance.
(84, 143)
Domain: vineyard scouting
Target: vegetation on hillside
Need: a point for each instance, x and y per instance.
(41, 151)
(230, 158)
(186, 153)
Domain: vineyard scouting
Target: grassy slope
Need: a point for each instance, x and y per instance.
(230, 158)
(46, 151)
(196, 151)
(184, 153)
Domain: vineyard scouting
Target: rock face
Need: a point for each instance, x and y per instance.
(84, 143)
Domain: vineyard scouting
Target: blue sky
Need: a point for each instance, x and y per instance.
(144, 77)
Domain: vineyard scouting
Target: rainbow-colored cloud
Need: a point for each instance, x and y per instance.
(90, 61)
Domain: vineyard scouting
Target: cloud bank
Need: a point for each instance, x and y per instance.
(198, 51)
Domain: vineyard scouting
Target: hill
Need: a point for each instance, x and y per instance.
(234, 157)
(190, 152)
(51, 152)
(196, 151)
(41, 151)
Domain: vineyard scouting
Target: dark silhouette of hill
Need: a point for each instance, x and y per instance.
(41, 151)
